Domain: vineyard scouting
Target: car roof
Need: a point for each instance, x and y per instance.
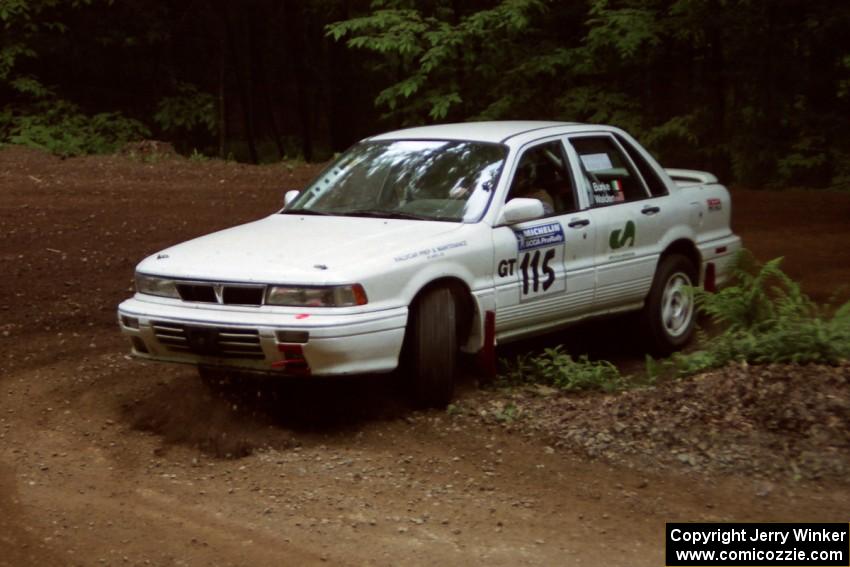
(493, 132)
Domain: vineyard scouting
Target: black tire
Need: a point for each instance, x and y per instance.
(432, 348)
(669, 312)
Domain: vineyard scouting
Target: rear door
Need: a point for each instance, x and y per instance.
(630, 220)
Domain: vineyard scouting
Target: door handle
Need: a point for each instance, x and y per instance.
(650, 210)
(578, 223)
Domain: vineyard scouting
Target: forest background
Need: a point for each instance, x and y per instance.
(757, 91)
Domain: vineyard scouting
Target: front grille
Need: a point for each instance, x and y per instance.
(223, 342)
(226, 294)
(233, 295)
(197, 292)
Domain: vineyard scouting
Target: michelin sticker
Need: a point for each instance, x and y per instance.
(539, 266)
(537, 236)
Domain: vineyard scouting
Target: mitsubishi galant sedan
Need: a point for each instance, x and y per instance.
(419, 244)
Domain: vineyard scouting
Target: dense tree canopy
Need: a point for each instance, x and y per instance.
(755, 90)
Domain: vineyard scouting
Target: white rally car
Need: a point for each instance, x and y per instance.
(421, 243)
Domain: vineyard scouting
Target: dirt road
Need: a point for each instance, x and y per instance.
(104, 460)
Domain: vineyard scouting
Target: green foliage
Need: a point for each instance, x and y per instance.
(60, 127)
(37, 118)
(198, 156)
(757, 92)
(807, 155)
(625, 30)
(556, 368)
(187, 110)
(21, 21)
(435, 50)
(751, 91)
(766, 318)
(9, 55)
(30, 86)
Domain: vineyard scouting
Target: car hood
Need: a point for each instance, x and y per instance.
(294, 249)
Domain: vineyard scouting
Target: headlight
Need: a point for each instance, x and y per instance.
(301, 296)
(151, 285)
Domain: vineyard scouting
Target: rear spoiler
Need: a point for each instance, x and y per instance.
(685, 177)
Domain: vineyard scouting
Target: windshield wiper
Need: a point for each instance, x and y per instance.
(306, 212)
(376, 213)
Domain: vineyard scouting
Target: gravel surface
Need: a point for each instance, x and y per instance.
(108, 461)
(773, 422)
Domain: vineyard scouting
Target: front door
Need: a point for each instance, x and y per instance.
(544, 267)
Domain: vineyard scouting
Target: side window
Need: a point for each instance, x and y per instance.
(656, 186)
(609, 176)
(542, 173)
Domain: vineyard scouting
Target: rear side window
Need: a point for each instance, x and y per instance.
(609, 177)
(656, 186)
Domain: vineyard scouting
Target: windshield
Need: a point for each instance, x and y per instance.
(417, 179)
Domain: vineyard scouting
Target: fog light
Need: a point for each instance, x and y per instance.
(129, 322)
(139, 345)
(292, 336)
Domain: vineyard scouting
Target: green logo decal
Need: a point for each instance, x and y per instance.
(618, 241)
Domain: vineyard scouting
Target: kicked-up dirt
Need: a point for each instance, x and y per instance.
(108, 461)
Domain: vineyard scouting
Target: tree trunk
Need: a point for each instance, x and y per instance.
(296, 44)
(222, 109)
(262, 79)
(244, 94)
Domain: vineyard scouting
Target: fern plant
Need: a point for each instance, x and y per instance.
(556, 368)
(765, 318)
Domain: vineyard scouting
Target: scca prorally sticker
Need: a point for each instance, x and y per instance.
(539, 266)
(714, 204)
(539, 236)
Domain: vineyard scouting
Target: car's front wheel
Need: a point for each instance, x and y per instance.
(669, 311)
(432, 347)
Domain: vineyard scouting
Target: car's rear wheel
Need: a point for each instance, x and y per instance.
(669, 312)
(432, 348)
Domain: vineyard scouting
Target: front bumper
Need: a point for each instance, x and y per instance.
(255, 340)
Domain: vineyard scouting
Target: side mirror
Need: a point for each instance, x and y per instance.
(521, 209)
(290, 196)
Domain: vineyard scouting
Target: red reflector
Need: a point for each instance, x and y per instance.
(487, 354)
(720, 250)
(291, 352)
(710, 283)
(293, 360)
(290, 348)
